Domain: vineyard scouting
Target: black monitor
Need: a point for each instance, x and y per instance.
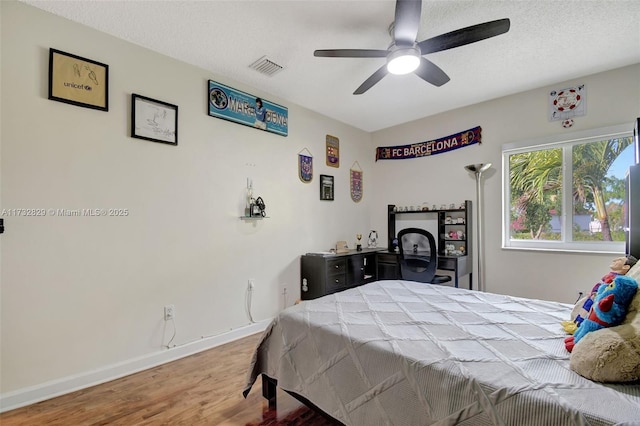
(636, 139)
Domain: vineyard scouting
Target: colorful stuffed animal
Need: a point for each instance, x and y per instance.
(619, 266)
(612, 354)
(609, 308)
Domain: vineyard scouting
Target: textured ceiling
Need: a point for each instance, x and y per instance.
(549, 42)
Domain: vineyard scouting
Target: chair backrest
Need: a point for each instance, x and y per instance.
(418, 255)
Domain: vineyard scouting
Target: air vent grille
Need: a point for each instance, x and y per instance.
(266, 66)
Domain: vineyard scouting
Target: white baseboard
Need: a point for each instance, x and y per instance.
(48, 390)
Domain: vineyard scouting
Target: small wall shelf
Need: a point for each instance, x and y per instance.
(253, 217)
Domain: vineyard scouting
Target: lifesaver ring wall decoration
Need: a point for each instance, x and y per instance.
(567, 103)
(567, 100)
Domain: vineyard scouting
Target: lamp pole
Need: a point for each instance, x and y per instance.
(477, 170)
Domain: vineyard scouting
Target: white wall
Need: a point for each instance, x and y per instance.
(612, 98)
(82, 293)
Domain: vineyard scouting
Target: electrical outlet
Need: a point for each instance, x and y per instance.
(169, 312)
(251, 284)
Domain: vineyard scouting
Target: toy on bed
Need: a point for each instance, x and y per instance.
(609, 308)
(619, 266)
(612, 354)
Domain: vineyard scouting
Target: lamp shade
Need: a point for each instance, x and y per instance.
(478, 168)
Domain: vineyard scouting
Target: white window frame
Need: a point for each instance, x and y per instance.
(550, 142)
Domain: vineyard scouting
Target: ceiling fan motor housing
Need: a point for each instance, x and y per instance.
(403, 59)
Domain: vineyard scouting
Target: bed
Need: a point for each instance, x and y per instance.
(407, 353)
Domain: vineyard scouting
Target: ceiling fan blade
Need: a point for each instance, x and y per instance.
(431, 73)
(373, 79)
(464, 36)
(407, 22)
(351, 53)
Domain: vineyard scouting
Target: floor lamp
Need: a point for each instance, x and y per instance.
(478, 169)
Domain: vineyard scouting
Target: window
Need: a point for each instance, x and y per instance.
(567, 192)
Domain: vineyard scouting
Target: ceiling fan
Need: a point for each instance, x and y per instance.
(405, 53)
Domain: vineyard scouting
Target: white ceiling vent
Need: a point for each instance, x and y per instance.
(266, 66)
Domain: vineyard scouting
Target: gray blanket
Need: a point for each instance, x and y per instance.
(406, 353)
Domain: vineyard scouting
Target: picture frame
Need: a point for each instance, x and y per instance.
(154, 120)
(326, 187)
(78, 81)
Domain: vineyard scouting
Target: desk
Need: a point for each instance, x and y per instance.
(388, 266)
(321, 275)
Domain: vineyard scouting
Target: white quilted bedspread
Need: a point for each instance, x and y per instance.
(405, 353)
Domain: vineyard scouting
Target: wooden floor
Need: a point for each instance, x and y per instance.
(203, 389)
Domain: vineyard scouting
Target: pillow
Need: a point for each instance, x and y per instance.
(612, 354)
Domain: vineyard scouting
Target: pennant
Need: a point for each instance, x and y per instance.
(333, 151)
(356, 183)
(305, 166)
(428, 148)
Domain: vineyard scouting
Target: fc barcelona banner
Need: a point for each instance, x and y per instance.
(425, 149)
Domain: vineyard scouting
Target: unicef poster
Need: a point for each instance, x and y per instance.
(234, 105)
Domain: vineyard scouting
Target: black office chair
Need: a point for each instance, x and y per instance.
(419, 256)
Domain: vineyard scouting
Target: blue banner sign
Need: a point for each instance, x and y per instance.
(234, 105)
(428, 148)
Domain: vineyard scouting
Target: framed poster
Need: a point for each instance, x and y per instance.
(78, 81)
(154, 120)
(326, 187)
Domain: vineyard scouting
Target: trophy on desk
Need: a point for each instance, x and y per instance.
(358, 244)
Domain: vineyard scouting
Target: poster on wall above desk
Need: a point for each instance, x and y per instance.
(326, 187)
(240, 107)
(429, 148)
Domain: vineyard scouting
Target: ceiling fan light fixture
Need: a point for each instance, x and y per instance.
(403, 60)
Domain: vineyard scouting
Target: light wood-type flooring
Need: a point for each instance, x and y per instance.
(202, 389)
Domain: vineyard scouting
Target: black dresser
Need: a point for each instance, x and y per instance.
(326, 274)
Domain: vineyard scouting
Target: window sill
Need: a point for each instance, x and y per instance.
(566, 250)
